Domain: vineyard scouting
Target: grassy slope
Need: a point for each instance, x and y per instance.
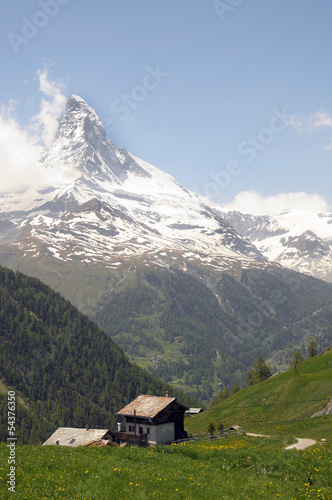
(234, 468)
(275, 404)
(238, 467)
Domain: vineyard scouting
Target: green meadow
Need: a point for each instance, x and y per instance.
(230, 467)
(281, 405)
(238, 467)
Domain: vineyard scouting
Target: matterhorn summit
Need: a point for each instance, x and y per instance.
(81, 144)
(114, 207)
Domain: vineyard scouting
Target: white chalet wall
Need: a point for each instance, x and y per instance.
(163, 433)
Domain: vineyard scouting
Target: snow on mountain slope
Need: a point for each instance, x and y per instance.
(298, 240)
(113, 206)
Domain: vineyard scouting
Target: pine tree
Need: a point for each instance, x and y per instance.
(211, 428)
(312, 349)
(259, 373)
(220, 427)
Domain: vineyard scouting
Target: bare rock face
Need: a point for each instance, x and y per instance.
(327, 411)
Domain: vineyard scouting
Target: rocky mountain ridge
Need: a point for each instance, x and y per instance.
(298, 240)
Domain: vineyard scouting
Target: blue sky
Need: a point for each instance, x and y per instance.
(233, 98)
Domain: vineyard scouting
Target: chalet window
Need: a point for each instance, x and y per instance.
(131, 428)
(148, 430)
(140, 430)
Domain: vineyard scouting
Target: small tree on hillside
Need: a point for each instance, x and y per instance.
(297, 358)
(259, 373)
(220, 427)
(220, 397)
(211, 428)
(312, 350)
(225, 394)
(235, 389)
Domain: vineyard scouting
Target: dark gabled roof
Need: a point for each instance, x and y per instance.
(148, 406)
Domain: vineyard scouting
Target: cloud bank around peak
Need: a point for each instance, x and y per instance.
(46, 122)
(254, 203)
(21, 146)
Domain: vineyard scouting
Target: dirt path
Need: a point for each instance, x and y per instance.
(301, 444)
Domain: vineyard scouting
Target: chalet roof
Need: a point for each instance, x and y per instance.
(147, 406)
(194, 410)
(235, 428)
(69, 436)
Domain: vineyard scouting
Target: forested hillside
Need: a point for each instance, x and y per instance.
(198, 329)
(64, 368)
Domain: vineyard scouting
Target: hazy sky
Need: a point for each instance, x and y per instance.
(233, 98)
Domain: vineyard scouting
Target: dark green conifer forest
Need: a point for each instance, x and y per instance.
(64, 369)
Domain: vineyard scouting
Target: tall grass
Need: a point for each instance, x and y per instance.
(233, 468)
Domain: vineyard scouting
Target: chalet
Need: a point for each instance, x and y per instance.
(152, 420)
(194, 411)
(235, 428)
(69, 436)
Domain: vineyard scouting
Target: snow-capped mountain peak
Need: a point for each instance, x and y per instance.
(81, 144)
(296, 239)
(80, 122)
(115, 205)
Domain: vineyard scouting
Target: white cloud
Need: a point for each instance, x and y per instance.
(322, 119)
(46, 122)
(251, 202)
(19, 153)
(20, 146)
